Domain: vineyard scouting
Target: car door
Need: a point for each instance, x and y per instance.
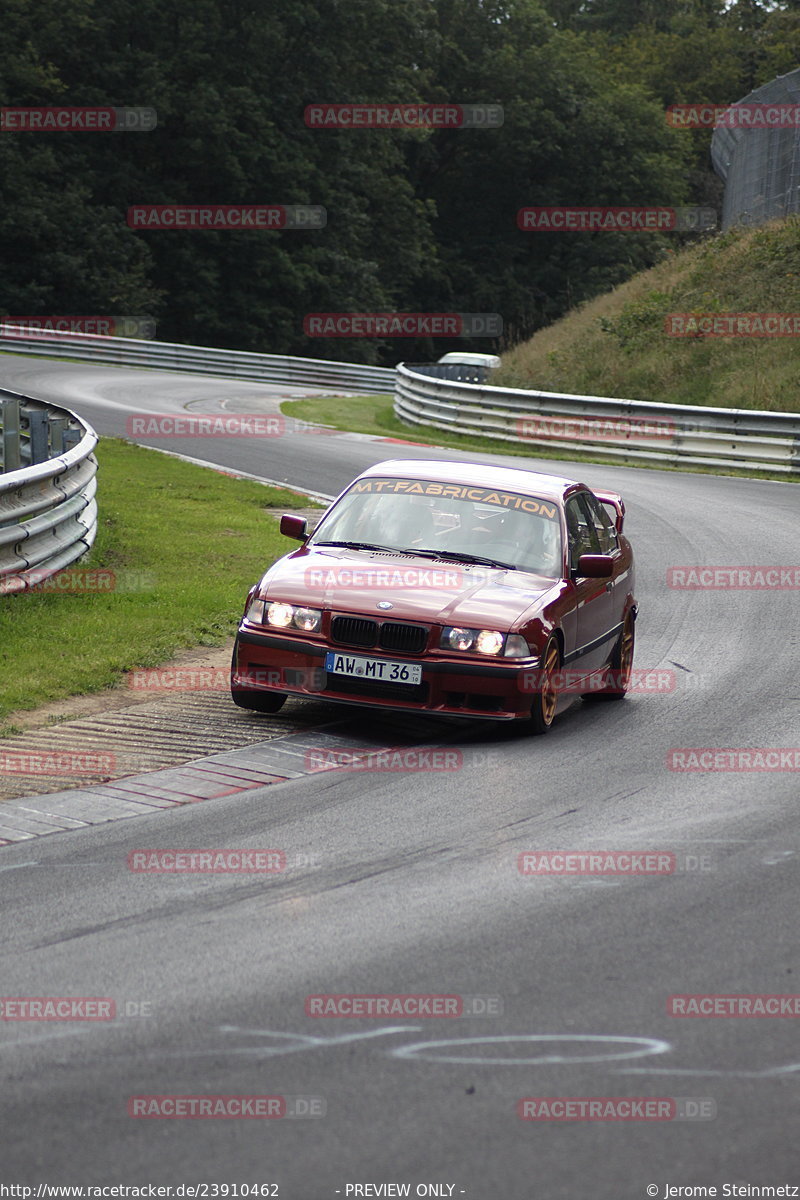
(593, 598)
(618, 586)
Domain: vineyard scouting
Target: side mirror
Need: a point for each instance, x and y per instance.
(595, 566)
(294, 527)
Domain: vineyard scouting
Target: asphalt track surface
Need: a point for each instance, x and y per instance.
(413, 887)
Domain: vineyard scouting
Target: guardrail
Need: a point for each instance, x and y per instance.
(202, 360)
(48, 510)
(634, 431)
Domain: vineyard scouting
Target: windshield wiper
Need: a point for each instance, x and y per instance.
(358, 546)
(457, 556)
(447, 555)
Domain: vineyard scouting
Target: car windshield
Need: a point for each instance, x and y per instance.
(419, 515)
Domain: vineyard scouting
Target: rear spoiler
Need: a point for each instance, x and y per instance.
(616, 506)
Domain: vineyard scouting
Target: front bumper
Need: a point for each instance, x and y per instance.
(498, 691)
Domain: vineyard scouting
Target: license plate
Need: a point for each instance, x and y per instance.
(373, 668)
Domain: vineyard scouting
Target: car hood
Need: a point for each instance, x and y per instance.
(419, 589)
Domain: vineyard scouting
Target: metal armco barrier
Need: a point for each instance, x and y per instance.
(628, 430)
(202, 360)
(48, 511)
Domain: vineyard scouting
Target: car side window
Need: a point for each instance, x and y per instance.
(606, 530)
(581, 530)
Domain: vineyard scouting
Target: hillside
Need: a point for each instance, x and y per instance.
(616, 345)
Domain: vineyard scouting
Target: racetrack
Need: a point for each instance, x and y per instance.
(412, 886)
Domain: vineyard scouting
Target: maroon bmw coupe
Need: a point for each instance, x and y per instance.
(447, 588)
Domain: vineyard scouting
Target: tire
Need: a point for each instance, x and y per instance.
(252, 698)
(621, 664)
(543, 708)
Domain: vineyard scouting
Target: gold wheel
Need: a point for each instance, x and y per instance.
(625, 656)
(545, 702)
(619, 671)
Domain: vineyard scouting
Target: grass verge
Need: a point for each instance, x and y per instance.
(619, 345)
(178, 546)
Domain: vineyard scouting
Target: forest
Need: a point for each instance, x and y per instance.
(417, 219)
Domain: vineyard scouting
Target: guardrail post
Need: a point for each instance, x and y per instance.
(10, 441)
(71, 438)
(58, 427)
(39, 434)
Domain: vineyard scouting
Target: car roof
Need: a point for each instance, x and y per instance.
(469, 356)
(549, 487)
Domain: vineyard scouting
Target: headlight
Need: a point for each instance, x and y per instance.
(489, 642)
(308, 619)
(485, 641)
(281, 616)
(458, 639)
